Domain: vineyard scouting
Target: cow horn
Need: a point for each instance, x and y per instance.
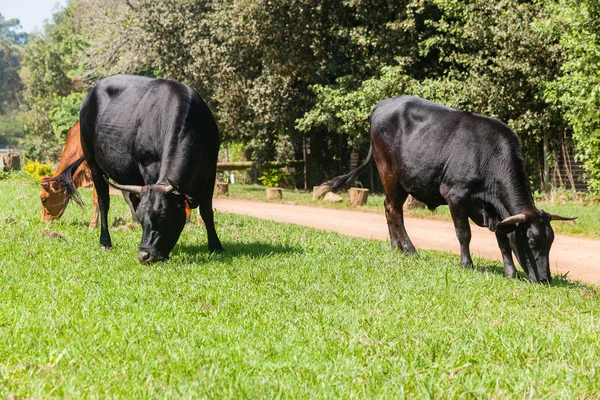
(514, 219)
(554, 217)
(126, 188)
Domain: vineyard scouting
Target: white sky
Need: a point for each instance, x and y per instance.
(31, 13)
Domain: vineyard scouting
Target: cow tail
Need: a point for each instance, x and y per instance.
(65, 180)
(343, 180)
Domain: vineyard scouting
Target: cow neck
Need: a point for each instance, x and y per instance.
(71, 153)
(176, 149)
(512, 198)
(174, 171)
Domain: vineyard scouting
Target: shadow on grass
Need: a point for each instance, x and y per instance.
(199, 252)
(81, 224)
(558, 280)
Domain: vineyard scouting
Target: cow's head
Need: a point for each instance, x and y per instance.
(531, 237)
(55, 195)
(162, 213)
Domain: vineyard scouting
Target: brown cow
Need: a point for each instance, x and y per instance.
(53, 194)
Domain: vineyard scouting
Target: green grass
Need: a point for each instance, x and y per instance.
(286, 312)
(586, 225)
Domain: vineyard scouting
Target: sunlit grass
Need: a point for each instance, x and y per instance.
(287, 312)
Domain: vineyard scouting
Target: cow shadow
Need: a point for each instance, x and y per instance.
(255, 250)
(558, 280)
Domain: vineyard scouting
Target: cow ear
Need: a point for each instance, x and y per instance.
(176, 191)
(175, 186)
(46, 182)
(186, 197)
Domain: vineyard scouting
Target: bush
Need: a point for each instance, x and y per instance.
(37, 170)
(274, 177)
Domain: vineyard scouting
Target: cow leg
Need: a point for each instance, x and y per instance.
(96, 211)
(463, 233)
(509, 266)
(103, 203)
(395, 219)
(207, 214)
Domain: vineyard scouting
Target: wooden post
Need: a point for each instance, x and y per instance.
(546, 151)
(274, 193)
(411, 203)
(12, 162)
(222, 189)
(358, 196)
(304, 153)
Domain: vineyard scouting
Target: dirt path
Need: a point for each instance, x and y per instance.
(578, 257)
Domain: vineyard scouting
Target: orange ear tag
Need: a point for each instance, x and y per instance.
(188, 212)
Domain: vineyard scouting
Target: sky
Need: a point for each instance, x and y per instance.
(31, 13)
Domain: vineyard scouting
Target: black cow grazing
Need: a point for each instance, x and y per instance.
(470, 162)
(157, 139)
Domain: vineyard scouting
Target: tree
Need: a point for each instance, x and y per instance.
(51, 70)
(480, 56)
(10, 82)
(577, 90)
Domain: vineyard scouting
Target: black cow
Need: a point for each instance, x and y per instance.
(470, 162)
(157, 139)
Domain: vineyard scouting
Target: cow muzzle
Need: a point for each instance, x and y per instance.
(147, 257)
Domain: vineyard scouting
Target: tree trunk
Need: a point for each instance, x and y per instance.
(358, 197)
(274, 193)
(12, 162)
(546, 176)
(222, 189)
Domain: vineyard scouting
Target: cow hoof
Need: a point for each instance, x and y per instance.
(106, 248)
(217, 251)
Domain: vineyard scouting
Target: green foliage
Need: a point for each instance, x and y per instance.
(65, 114)
(469, 61)
(10, 82)
(576, 91)
(37, 170)
(12, 128)
(277, 72)
(52, 65)
(236, 151)
(346, 110)
(274, 177)
(285, 310)
(8, 34)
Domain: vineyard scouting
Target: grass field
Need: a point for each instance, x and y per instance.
(286, 312)
(587, 224)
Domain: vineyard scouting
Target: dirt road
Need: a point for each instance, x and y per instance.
(578, 257)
